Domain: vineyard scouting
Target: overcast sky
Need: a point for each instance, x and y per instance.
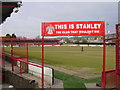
(27, 22)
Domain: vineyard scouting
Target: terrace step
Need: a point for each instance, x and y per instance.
(57, 83)
(91, 86)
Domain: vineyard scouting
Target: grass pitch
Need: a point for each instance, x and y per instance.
(72, 58)
(70, 81)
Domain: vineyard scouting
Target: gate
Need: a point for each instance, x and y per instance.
(111, 78)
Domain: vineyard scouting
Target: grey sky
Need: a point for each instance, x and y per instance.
(119, 12)
(27, 22)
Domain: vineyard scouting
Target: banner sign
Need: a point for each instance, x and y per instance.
(78, 28)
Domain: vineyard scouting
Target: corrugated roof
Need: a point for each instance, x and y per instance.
(10, 0)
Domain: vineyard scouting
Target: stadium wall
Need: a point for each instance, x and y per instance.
(19, 81)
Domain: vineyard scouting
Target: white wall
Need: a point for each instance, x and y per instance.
(48, 73)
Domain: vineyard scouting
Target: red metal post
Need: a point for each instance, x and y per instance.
(27, 51)
(12, 61)
(42, 61)
(27, 56)
(104, 63)
(3, 61)
(117, 57)
(43, 56)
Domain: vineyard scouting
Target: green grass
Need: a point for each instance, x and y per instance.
(71, 57)
(70, 81)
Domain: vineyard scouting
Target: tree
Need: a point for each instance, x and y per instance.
(8, 36)
(38, 37)
(13, 35)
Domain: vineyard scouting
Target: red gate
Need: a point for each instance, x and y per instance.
(111, 78)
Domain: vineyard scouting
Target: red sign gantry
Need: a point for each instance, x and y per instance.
(78, 28)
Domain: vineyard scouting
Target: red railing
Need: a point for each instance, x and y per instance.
(18, 59)
(111, 78)
(22, 59)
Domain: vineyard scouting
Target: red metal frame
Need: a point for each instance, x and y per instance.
(43, 56)
(117, 57)
(117, 69)
(26, 62)
(2, 53)
(17, 59)
(42, 61)
(12, 56)
(104, 50)
(104, 63)
(12, 40)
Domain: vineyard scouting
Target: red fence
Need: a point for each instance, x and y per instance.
(19, 54)
(111, 78)
(19, 51)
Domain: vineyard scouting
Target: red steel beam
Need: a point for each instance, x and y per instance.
(27, 63)
(104, 64)
(43, 56)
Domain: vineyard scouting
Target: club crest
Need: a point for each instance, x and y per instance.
(50, 29)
